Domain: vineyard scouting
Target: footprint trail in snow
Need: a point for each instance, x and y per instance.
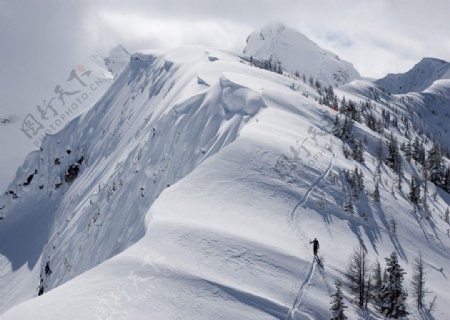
(302, 236)
(301, 292)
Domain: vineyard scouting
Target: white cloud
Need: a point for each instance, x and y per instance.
(142, 31)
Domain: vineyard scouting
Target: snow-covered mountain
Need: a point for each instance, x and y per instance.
(192, 189)
(420, 77)
(116, 60)
(95, 73)
(297, 53)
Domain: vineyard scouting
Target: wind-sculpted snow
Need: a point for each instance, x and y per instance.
(236, 99)
(199, 181)
(105, 169)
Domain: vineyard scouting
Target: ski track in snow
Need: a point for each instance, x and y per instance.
(301, 292)
(302, 236)
(312, 187)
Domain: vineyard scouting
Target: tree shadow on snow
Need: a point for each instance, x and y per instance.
(392, 235)
(433, 240)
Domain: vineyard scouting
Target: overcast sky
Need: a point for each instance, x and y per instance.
(40, 41)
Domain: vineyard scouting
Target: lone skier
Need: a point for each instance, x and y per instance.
(315, 243)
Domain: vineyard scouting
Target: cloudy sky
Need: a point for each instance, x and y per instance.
(42, 39)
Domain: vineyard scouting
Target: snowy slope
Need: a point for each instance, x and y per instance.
(420, 77)
(133, 144)
(203, 180)
(18, 144)
(299, 54)
(427, 112)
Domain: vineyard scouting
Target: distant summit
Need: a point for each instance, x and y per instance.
(419, 78)
(297, 53)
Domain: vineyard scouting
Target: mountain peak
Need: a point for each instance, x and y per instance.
(275, 26)
(418, 78)
(297, 53)
(432, 60)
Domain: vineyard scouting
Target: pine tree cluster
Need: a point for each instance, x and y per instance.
(381, 288)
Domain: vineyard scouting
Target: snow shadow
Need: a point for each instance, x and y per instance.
(23, 238)
(270, 307)
(392, 235)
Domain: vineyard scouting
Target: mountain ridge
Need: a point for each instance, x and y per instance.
(418, 78)
(193, 187)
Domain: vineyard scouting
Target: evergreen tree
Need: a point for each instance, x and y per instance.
(393, 159)
(329, 98)
(377, 284)
(359, 178)
(346, 151)
(371, 121)
(446, 216)
(368, 295)
(337, 303)
(356, 181)
(386, 118)
(278, 68)
(414, 191)
(343, 104)
(48, 270)
(357, 274)
(358, 151)
(376, 193)
(343, 130)
(354, 111)
(418, 152)
(317, 85)
(378, 171)
(418, 283)
(349, 109)
(347, 128)
(41, 287)
(434, 165)
(392, 295)
(393, 226)
(348, 205)
(337, 127)
(408, 151)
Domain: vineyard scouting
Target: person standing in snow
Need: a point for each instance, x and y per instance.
(315, 243)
